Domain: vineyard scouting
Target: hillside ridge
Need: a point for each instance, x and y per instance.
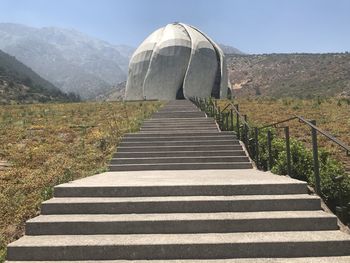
(20, 84)
(302, 75)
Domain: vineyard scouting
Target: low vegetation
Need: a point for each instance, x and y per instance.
(332, 115)
(49, 144)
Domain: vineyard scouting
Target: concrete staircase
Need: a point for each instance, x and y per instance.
(155, 209)
(179, 137)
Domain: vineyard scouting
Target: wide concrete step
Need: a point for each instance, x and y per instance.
(175, 121)
(179, 204)
(183, 110)
(183, 160)
(178, 134)
(183, 132)
(181, 246)
(179, 115)
(177, 109)
(340, 259)
(179, 138)
(181, 223)
(180, 166)
(179, 122)
(203, 119)
(180, 126)
(180, 148)
(178, 143)
(181, 183)
(178, 154)
(179, 129)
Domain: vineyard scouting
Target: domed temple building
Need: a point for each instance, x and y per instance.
(175, 62)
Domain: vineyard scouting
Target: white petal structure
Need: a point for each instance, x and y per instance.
(174, 62)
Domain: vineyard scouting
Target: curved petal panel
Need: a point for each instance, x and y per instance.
(202, 68)
(138, 66)
(168, 64)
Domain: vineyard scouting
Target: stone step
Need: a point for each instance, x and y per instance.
(182, 160)
(176, 223)
(203, 120)
(179, 129)
(179, 190)
(178, 134)
(181, 246)
(180, 166)
(340, 259)
(179, 204)
(180, 115)
(179, 110)
(178, 154)
(181, 183)
(183, 132)
(180, 148)
(179, 122)
(175, 126)
(177, 143)
(179, 138)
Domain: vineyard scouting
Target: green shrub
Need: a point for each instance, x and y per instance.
(301, 160)
(335, 184)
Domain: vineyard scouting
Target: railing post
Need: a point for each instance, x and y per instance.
(238, 125)
(256, 138)
(245, 130)
(315, 156)
(269, 148)
(226, 117)
(289, 165)
(219, 117)
(231, 112)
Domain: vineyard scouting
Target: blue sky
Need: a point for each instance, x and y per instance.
(253, 26)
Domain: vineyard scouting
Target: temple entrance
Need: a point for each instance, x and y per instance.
(180, 93)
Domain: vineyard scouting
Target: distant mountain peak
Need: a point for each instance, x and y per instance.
(230, 50)
(20, 84)
(72, 60)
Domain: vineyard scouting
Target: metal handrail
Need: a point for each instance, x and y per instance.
(276, 123)
(300, 118)
(233, 107)
(324, 133)
(244, 132)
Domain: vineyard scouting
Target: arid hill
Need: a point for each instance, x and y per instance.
(291, 75)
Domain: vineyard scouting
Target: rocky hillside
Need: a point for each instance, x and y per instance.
(295, 75)
(69, 59)
(116, 93)
(20, 84)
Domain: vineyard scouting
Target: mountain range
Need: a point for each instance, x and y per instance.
(20, 84)
(72, 61)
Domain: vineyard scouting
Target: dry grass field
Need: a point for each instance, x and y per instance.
(48, 144)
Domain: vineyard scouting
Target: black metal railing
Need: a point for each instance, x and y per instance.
(230, 118)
